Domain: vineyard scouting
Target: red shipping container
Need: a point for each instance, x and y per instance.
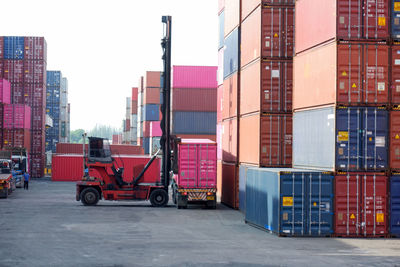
(34, 95)
(275, 37)
(13, 70)
(248, 6)
(17, 116)
(146, 128)
(361, 205)
(194, 99)
(395, 140)
(1, 48)
(152, 79)
(38, 141)
(37, 165)
(5, 91)
(40, 67)
(194, 77)
(230, 185)
(395, 74)
(151, 95)
(320, 21)
(38, 118)
(351, 74)
(35, 48)
(68, 148)
(229, 98)
(220, 99)
(134, 96)
(232, 16)
(134, 108)
(219, 141)
(127, 125)
(17, 138)
(266, 86)
(17, 93)
(229, 140)
(70, 168)
(266, 140)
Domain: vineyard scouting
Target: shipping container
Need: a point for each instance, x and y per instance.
(242, 186)
(220, 98)
(155, 129)
(395, 205)
(347, 74)
(152, 79)
(194, 77)
(221, 5)
(13, 47)
(38, 118)
(248, 6)
(134, 94)
(13, 70)
(151, 112)
(231, 53)
(395, 20)
(229, 185)
(220, 71)
(361, 205)
(221, 33)
(290, 202)
(268, 33)
(343, 139)
(69, 148)
(1, 47)
(219, 141)
(230, 97)
(17, 116)
(395, 74)
(35, 48)
(37, 165)
(320, 21)
(151, 95)
(194, 99)
(267, 87)
(219, 180)
(134, 109)
(17, 138)
(232, 16)
(38, 141)
(229, 132)
(34, 71)
(197, 164)
(5, 91)
(211, 137)
(192, 122)
(146, 145)
(154, 145)
(395, 140)
(266, 140)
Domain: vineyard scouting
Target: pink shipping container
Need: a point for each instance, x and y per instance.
(197, 161)
(1, 47)
(17, 116)
(5, 91)
(17, 138)
(194, 77)
(320, 21)
(232, 15)
(194, 99)
(155, 129)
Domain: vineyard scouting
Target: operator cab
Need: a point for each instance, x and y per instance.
(99, 150)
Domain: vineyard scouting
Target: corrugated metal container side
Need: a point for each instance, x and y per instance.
(5, 91)
(134, 94)
(69, 148)
(146, 145)
(242, 186)
(155, 129)
(319, 21)
(219, 180)
(1, 46)
(395, 140)
(197, 161)
(361, 201)
(17, 138)
(151, 112)
(17, 116)
(230, 185)
(231, 53)
(229, 132)
(219, 141)
(134, 107)
(151, 95)
(188, 122)
(152, 79)
(220, 92)
(395, 205)
(335, 74)
(290, 202)
(211, 137)
(266, 140)
(194, 99)
(13, 70)
(348, 139)
(266, 86)
(229, 97)
(146, 128)
(37, 165)
(220, 71)
(275, 37)
(395, 73)
(13, 47)
(221, 20)
(232, 15)
(194, 77)
(35, 48)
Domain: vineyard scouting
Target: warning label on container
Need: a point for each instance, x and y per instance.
(397, 136)
(397, 88)
(380, 218)
(381, 86)
(344, 73)
(382, 21)
(276, 35)
(380, 141)
(266, 43)
(352, 216)
(397, 61)
(396, 6)
(275, 74)
(343, 136)
(287, 201)
(354, 85)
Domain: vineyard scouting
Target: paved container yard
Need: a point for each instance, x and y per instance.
(45, 226)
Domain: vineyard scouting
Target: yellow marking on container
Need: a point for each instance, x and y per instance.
(315, 204)
(5, 70)
(382, 21)
(5, 142)
(380, 218)
(26, 71)
(396, 6)
(26, 47)
(370, 139)
(352, 216)
(276, 35)
(354, 85)
(397, 136)
(287, 201)
(344, 73)
(343, 136)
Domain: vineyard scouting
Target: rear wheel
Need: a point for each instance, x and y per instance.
(90, 196)
(159, 198)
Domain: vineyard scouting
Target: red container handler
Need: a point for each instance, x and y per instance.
(361, 201)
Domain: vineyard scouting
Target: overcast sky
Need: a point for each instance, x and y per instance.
(103, 47)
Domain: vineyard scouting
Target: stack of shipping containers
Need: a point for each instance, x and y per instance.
(341, 103)
(53, 109)
(23, 64)
(133, 116)
(127, 122)
(5, 99)
(64, 111)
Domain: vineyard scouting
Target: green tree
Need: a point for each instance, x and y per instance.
(76, 136)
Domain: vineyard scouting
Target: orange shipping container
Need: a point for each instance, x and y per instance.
(219, 179)
(395, 74)
(152, 79)
(219, 102)
(341, 73)
(151, 95)
(134, 108)
(229, 140)
(230, 185)
(266, 140)
(232, 16)
(266, 86)
(229, 99)
(248, 6)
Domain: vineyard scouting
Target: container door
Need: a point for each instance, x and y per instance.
(395, 66)
(347, 205)
(395, 205)
(349, 19)
(187, 166)
(374, 203)
(376, 19)
(348, 148)
(375, 134)
(320, 204)
(293, 204)
(207, 166)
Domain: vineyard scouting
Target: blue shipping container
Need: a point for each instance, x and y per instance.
(290, 202)
(345, 139)
(395, 205)
(146, 145)
(13, 47)
(191, 122)
(54, 79)
(231, 53)
(242, 186)
(395, 20)
(221, 19)
(151, 112)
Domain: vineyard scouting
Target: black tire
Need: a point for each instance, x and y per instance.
(90, 196)
(174, 196)
(159, 198)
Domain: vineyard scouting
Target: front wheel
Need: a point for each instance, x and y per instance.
(159, 198)
(90, 196)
